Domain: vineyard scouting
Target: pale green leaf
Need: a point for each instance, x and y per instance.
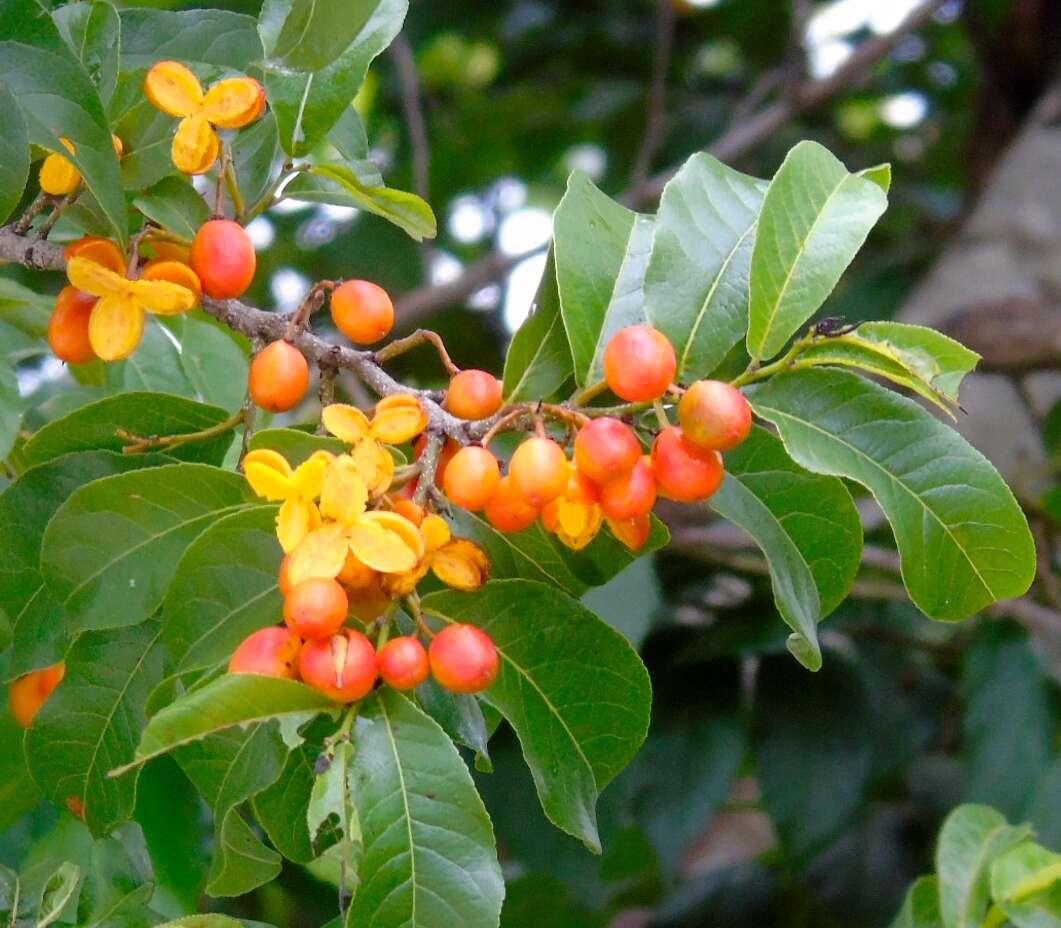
(175, 205)
(93, 32)
(921, 906)
(315, 32)
(14, 153)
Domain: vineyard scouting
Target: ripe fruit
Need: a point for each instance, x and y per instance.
(684, 472)
(223, 257)
(283, 580)
(631, 495)
(342, 667)
(473, 394)
(714, 416)
(355, 575)
(176, 272)
(507, 510)
(28, 693)
(639, 364)
(279, 377)
(632, 532)
(362, 311)
(539, 470)
(272, 652)
(407, 509)
(471, 478)
(606, 448)
(68, 327)
(316, 608)
(402, 663)
(463, 659)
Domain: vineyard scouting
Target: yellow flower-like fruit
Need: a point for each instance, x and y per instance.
(117, 322)
(229, 104)
(272, 477)
(58, 176)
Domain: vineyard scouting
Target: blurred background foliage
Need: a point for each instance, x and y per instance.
(765, 796)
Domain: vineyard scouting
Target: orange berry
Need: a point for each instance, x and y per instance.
(714, 416)
(284, 577)
(29, 692)
(279, 377)
(272, 652)
(606, 448)
(68, 327)
(474, 394)
(471, 478)
(684, 472)
(507, 510)
(631, 495)
(223, 257)
(407, 509)
(403, 663)
(639, 364)
(362, 311)
(342, 667)
(355, 575)
(316, 608)
(463, 659)
(632, 532)
(539, 470)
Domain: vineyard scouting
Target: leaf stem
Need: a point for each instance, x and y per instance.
(417, 338)
(588, 394)
(137, 444)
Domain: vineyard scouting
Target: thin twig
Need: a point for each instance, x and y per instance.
(429, 461)
(46, 227)
(40, 202)
(137, 444)
(419, 337)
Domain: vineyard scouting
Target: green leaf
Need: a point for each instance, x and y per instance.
(971, 839)
(571, 686)
(919, 359)
(10, 409)
(308, 103)
(196, 37)
(146, 134)
(539, 359)
(154, 367)
(112, 548)
(26, 507)
(96, 425)
(461, 718)
(230, 700)
(405, 210)
(93, 32)
(56, 94)
(316, 32)
(696, 285)
(224, 588)
(1008, 719)
(811, 794)
(921, 906)
(331, 806)
(228, 769)
(1026, 885)
(175, 205)
(880, 174)
(602, 252)
(294, 444)
(963, 540)
(215, 360)
(349, 137)
(429, 857)
(25, 309)
(255, 151)
(807, 526)
(92, 722)
(14, 153)
(814, 219)
(58, 892)
(535, 554)
(18, 792)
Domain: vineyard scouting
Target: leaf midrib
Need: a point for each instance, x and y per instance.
(897, 481)
(405, 802)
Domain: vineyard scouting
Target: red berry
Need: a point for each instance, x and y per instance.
(508, 511)
(606, 448)
(463, 659)
(639, 364)
(342, 667)
(316, 608)
(683, 471)
(473, 394)
(362, 311)
(632, 532)
(272, 652)
(539, 470)
(471, 478)
(223, 257)
(403, 663)
(714, 416)
(68, 327)
(631, 495)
